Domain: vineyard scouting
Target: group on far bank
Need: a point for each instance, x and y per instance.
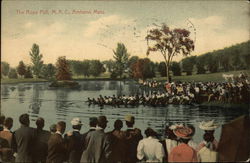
(28, 144)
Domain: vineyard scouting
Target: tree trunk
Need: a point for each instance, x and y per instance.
(167, 70)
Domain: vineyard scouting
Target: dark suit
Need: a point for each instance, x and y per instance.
(57, 149)
(133, 136)
(98, 148)
(41, 145)
(5, 151)
(23, 143)
(75, 146)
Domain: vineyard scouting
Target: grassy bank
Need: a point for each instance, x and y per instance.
(21, 80)
(216, 77)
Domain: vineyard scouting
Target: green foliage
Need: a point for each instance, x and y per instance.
(36, 59)
(21, 68)
(28, 73)
(5, 67)
(188, 64)
(12, 74)
(96, 68)
(48, 71)
(162, 69)
(176, 69)
(121, 57)
(109, 64)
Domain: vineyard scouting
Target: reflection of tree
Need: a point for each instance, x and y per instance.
(36, 101)
(4, 91)
(92, 86)
(62, 103)
(21, 90)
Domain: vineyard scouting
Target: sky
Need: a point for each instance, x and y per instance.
(91, 30)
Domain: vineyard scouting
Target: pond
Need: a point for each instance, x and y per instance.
(38, 100)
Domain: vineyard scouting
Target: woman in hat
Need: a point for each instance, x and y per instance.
(183, 152)
(171, 139)
(209, 128)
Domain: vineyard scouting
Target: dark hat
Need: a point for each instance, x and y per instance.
(102, 119)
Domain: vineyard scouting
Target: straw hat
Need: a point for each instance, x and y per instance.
(209, 125)
(183, 132)
(76, 121)
(129, 118)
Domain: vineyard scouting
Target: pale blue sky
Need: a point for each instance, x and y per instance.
(92, 36)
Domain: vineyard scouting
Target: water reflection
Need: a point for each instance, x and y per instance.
(61, 103)
(21, 91)
(35, 101)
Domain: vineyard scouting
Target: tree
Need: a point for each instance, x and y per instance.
(212, 63)
(48, 71)
(162, 69)
(63, 69)
(36, 59)
(28, 73)
(12, 74)
(143, 69)
(96, 68)
(176, 69)
(188, 64)
(21, 68)
(109, 64)
(5, 67)
(170, 43)
(121, 57)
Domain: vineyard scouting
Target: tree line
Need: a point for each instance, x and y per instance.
(123, 65)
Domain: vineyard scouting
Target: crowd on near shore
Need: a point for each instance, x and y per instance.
(185, 93)
(28, 144)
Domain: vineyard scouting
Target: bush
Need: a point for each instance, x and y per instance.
(12, 74)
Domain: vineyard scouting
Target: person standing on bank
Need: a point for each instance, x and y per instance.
(57, 146)
(92, 127)
(6, 133)
(150, 149)
(133, 136)
(75, 145)
(41, 142)
(183, 152)
(98, 144)
(23, 140)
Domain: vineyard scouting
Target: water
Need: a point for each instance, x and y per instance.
(38, 100)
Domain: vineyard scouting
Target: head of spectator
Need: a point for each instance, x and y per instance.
(40, 123)
(76, 124)
(52, 128)
(92, 122)
(208, 137)
(102, 122)
(130, 120)
(60, 127)
(8, 123)
(150, 132)
(209, 126)
(2, 118)
(118, 124)
(170, 133)
(24, 119)
(183, 133)
(192, 128)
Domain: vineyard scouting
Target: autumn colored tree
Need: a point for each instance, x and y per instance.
(36, 59)
(169, 43)
(63, 69)
(28, 73)
(143, 69)
(21, 68)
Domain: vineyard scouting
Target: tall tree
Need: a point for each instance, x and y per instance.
(21, 69)
(63, 69)
(48, 71)
(36, 59)
(170, 43)
(5, 68)
(121, 57)
(143, 69)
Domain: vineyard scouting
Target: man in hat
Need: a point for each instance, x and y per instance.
(209, 128)
(183, 152)
(98, 144)
(57, 146)
(133, 136)
(75, 144)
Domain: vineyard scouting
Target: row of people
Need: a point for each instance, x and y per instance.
(28, 144)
